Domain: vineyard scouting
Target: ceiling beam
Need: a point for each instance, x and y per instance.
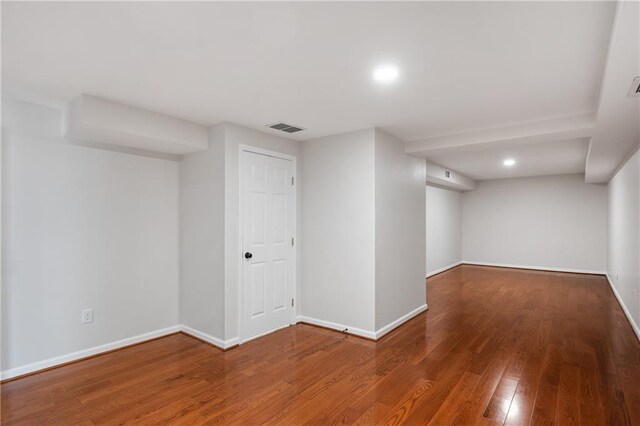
(550, 130)
(617, 133)
(105, 122)
(437, 176)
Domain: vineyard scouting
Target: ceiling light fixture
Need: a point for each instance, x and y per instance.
(509, 162)
(386, 74)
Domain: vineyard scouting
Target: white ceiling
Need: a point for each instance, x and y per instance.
(464, 66)
(550, 158)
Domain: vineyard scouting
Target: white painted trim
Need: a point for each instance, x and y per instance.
(265, 333)
(397, 323)
(73, 356)
(364, 333)
(634, 326)
(294, 281)
(267, 152)
(222, 344)
(539, 268)
(446, 268)
(339, 327)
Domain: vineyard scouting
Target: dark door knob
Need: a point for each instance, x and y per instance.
(248, 255)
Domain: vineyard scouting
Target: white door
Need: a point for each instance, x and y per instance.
(268, 258)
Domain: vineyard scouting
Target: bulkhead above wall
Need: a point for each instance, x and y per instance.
(450, 179)
(100, 121)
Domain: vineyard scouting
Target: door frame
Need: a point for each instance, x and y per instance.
(294, 281)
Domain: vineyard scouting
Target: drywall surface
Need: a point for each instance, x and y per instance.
(338, 229)
(82, 228)
(436, 175)
(108, 122)
(547, 222)
(202, 237)
(443, 228)
(236, 135)
(399, 230)
(624, 236)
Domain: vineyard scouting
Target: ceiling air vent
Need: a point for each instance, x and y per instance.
(635, 87)
(284, 127)
(447, 174)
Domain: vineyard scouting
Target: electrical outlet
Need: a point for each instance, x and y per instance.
(616, 277)
(87, 316)
(635, 294)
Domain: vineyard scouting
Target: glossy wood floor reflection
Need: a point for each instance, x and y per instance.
(497, 346)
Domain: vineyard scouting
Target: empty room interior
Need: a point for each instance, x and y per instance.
(320, 213)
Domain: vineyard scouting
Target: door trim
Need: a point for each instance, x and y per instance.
(294, 281)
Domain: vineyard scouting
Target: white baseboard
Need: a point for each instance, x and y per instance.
(73, 356)
(262, 334)
(438, 271)
(389, 327)
(339, 327)
(222, 344)
(634, 326)
(96, 350)
(360, 332)
(539, 268)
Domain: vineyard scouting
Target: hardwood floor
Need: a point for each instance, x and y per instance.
(497, 346)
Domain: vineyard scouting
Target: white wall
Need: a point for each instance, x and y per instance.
(202, 237)
(544, 222)
(338, 229)
(399, 230)
(82, 228)
(623, 266)
(443, 228)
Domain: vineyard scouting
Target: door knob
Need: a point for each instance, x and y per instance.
(248, 255)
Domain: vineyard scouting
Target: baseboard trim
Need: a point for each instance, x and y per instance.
(444, 269)
(59, 361)
(535, 268)
(370, 335)
(207, 338)
(633, 325)
(266, 333)
(397, 323)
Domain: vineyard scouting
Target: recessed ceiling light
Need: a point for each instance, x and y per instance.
(386, 74)
(509, 162)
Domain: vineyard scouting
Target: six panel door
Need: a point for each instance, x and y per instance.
(267, 235)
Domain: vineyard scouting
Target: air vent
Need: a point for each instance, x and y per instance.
(447, 174)
(284, 127)
(635, 87)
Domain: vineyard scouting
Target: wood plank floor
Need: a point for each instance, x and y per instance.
(497, 346)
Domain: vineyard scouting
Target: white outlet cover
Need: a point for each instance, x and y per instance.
(86, 316)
